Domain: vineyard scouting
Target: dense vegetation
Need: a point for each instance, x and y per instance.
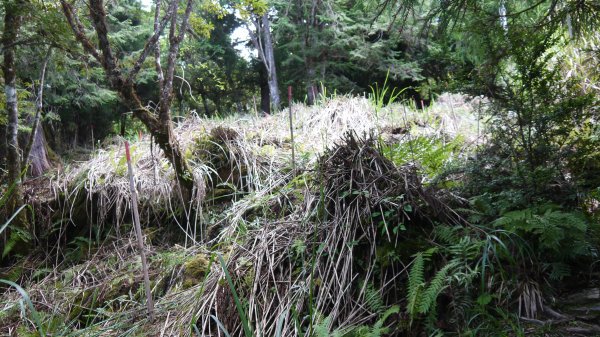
(435, 170)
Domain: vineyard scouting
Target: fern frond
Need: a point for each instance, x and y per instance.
(321, 328)
(378, 328)
(437, 284)
(416, 281)
(373, 300)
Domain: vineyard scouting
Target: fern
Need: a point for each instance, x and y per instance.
(437, 284)
(321, 328)
(17, 236)
(373, 300)
(416, 282)
(447, 234)
(422, 296)
(378, 329)
(555, 231)
(558, 271)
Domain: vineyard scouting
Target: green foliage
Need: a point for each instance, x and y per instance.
(34, 313)
(416, 283)
(337, 44)
(321, 328)
(558, 238)
(433, 154)
(373, 300)
(382, 96)
(422, 296)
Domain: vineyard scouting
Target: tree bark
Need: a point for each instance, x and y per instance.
(265, 106)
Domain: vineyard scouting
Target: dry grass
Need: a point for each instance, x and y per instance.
(300, 244)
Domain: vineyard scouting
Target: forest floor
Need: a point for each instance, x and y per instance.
(268, 245)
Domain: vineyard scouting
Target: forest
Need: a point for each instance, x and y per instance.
(310, 168)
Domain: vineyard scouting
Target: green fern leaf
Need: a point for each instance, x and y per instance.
(436, 286)
(416, 282)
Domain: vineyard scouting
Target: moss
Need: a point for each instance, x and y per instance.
(267, 150)
(195, 269)
(23, 331)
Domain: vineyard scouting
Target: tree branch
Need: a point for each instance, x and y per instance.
(174, 42)
(150, 45)
(159, 71)
(108, 60)
(79, 30)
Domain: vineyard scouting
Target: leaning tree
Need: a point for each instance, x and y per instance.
(122, 80)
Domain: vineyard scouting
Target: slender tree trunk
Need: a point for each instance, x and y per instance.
(270, 60)
(3, 146)
(263, 42)
(265, 106)
(37, 141)
(311, 87)
(12, 24)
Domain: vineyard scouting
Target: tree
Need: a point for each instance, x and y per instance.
(122, 80)
(257, 13)
(214, 76)
(334, 44)
(35, 151)
(12, 24)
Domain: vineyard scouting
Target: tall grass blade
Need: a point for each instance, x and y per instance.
(238, 303)
(12, 218)
(34, 313)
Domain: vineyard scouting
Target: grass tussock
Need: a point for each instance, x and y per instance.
(307, 252)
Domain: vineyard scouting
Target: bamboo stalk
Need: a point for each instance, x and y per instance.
(138, 232)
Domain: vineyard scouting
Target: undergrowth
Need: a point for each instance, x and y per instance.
(373, 235)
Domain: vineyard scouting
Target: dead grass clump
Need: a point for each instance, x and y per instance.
(223, 134)
(319, 265)
(104, 295)
(366, 185)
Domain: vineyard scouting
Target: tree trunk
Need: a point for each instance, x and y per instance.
(270, 60)
(311, 87)
(38, 156)
(3, 146)
(163, 136)
(265, 105)
(12, 23)
(37, 139)
(263, 42)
